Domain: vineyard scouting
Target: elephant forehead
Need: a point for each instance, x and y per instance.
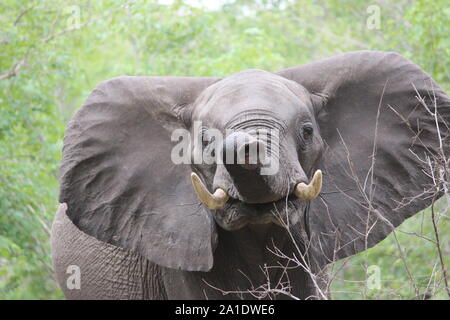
(250, 90)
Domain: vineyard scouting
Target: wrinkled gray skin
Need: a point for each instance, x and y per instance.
(132, 223)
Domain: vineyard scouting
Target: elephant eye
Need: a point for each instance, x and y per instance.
(204, 138)
(204, 143)
(307, 132)
(207, 140)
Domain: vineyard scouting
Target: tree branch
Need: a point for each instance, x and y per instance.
(14, 70)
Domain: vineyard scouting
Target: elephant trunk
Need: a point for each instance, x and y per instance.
(243, 150)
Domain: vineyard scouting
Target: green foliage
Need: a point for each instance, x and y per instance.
(48, 66)
(411, 248)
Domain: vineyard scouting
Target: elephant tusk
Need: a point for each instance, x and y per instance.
(211, 201)
(309, 191)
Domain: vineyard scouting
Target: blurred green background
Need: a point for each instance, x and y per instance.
(53, 53)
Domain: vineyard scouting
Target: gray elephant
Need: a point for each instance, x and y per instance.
(349, 135)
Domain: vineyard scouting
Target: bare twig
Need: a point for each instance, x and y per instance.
(438, 247)
(14, 70)
(24, 12)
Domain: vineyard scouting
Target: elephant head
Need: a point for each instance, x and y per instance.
(266, 144)
(350, 127)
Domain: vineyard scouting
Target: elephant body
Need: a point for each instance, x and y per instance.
(110, 272)
(106, 271)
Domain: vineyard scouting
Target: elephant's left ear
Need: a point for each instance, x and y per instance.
(119, 181)
(382, 118)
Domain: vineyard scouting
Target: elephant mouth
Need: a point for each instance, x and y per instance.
(237, 214)
(233, 214)
(220, 197)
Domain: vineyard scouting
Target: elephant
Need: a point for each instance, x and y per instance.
(349, 134)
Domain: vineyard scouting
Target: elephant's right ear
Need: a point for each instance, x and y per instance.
(118, 179)
(380, 117)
